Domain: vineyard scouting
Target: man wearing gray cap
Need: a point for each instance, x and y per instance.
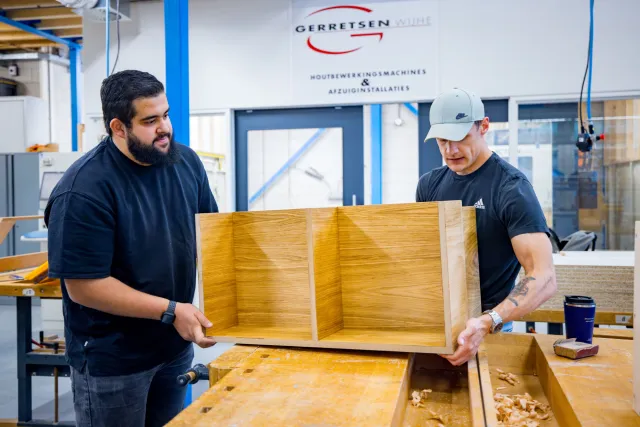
(511, 227)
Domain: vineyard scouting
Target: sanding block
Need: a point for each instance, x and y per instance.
(572, 349)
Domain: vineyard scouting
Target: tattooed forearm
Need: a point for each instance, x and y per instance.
(521, 289)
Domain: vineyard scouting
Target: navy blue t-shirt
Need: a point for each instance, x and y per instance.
(506, 206)
(109, 216)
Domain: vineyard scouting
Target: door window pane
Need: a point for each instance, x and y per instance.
(209, 137)
(295, 168)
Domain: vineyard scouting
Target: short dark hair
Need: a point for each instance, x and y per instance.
(119, 90)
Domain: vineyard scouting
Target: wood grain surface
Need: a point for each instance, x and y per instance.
(390, 265)
(595, 391)
(516, 354)
(602, 317)
(272, 270)
(20, 262)
(21, 289)
(349, 277)
(267, 386)
(476, 405)
(622, 334)
(423, 337)
(455, 394)
(454, 274)
(216, 270)
(325, 270)
(485, 386)
(7, 223)
(474, 301)
(598, 389)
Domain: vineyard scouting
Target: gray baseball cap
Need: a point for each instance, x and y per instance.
(452, 114)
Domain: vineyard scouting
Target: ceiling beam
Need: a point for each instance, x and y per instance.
(17, 36)
(5, 27)
(28, 45)
(41, 14)
(68, 33)
(32, 44)
(27, 4)
(43, 34)
(59, 24)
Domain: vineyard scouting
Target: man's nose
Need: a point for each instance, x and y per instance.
(164, 126)
(452, 147)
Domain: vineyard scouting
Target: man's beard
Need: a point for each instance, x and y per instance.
(149, 154)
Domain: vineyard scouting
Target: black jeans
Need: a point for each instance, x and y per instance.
(149, 398)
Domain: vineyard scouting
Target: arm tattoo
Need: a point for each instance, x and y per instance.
(520, 290)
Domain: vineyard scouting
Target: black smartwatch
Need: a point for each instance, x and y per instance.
(169, 316)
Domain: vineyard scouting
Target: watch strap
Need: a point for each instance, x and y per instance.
(172, 307)
(169, 315)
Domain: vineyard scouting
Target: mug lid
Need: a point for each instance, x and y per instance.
(578, 299)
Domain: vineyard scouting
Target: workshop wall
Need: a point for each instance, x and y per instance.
(28, 77)
(241, 58)
(240, 49)
(57, 88)
(50, 81)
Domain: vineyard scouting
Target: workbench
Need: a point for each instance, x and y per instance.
(30, 362)
(269, 386)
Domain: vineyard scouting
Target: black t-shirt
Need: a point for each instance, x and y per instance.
(506, 206)
(109, 216)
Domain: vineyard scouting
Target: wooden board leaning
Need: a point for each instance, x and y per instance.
(377, 277)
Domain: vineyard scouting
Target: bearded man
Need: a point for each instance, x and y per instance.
(122, 240)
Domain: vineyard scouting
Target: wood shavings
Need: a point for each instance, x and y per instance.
(508, 377)
(520, 410)
(417, 397)
(442, 419)
(500, 388)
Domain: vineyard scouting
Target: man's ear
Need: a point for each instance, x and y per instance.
(484, 126)
(118, 128)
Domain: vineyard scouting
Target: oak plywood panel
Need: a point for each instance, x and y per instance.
(474, 301)
(272, 272)
(390, 266)
(325, 270)
(217, 270)
(453, 271)
(381, 277)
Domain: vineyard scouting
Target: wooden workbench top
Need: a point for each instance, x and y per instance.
(268, 386)
(599, 389)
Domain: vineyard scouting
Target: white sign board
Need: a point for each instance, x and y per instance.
(364, 52)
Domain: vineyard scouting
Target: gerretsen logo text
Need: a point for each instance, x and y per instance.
(353, 29)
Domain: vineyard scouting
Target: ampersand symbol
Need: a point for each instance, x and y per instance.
(365, 82)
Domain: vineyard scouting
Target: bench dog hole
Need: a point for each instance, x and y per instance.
(248, 371)
(205, 409)
(229, 388)
(264, 356)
